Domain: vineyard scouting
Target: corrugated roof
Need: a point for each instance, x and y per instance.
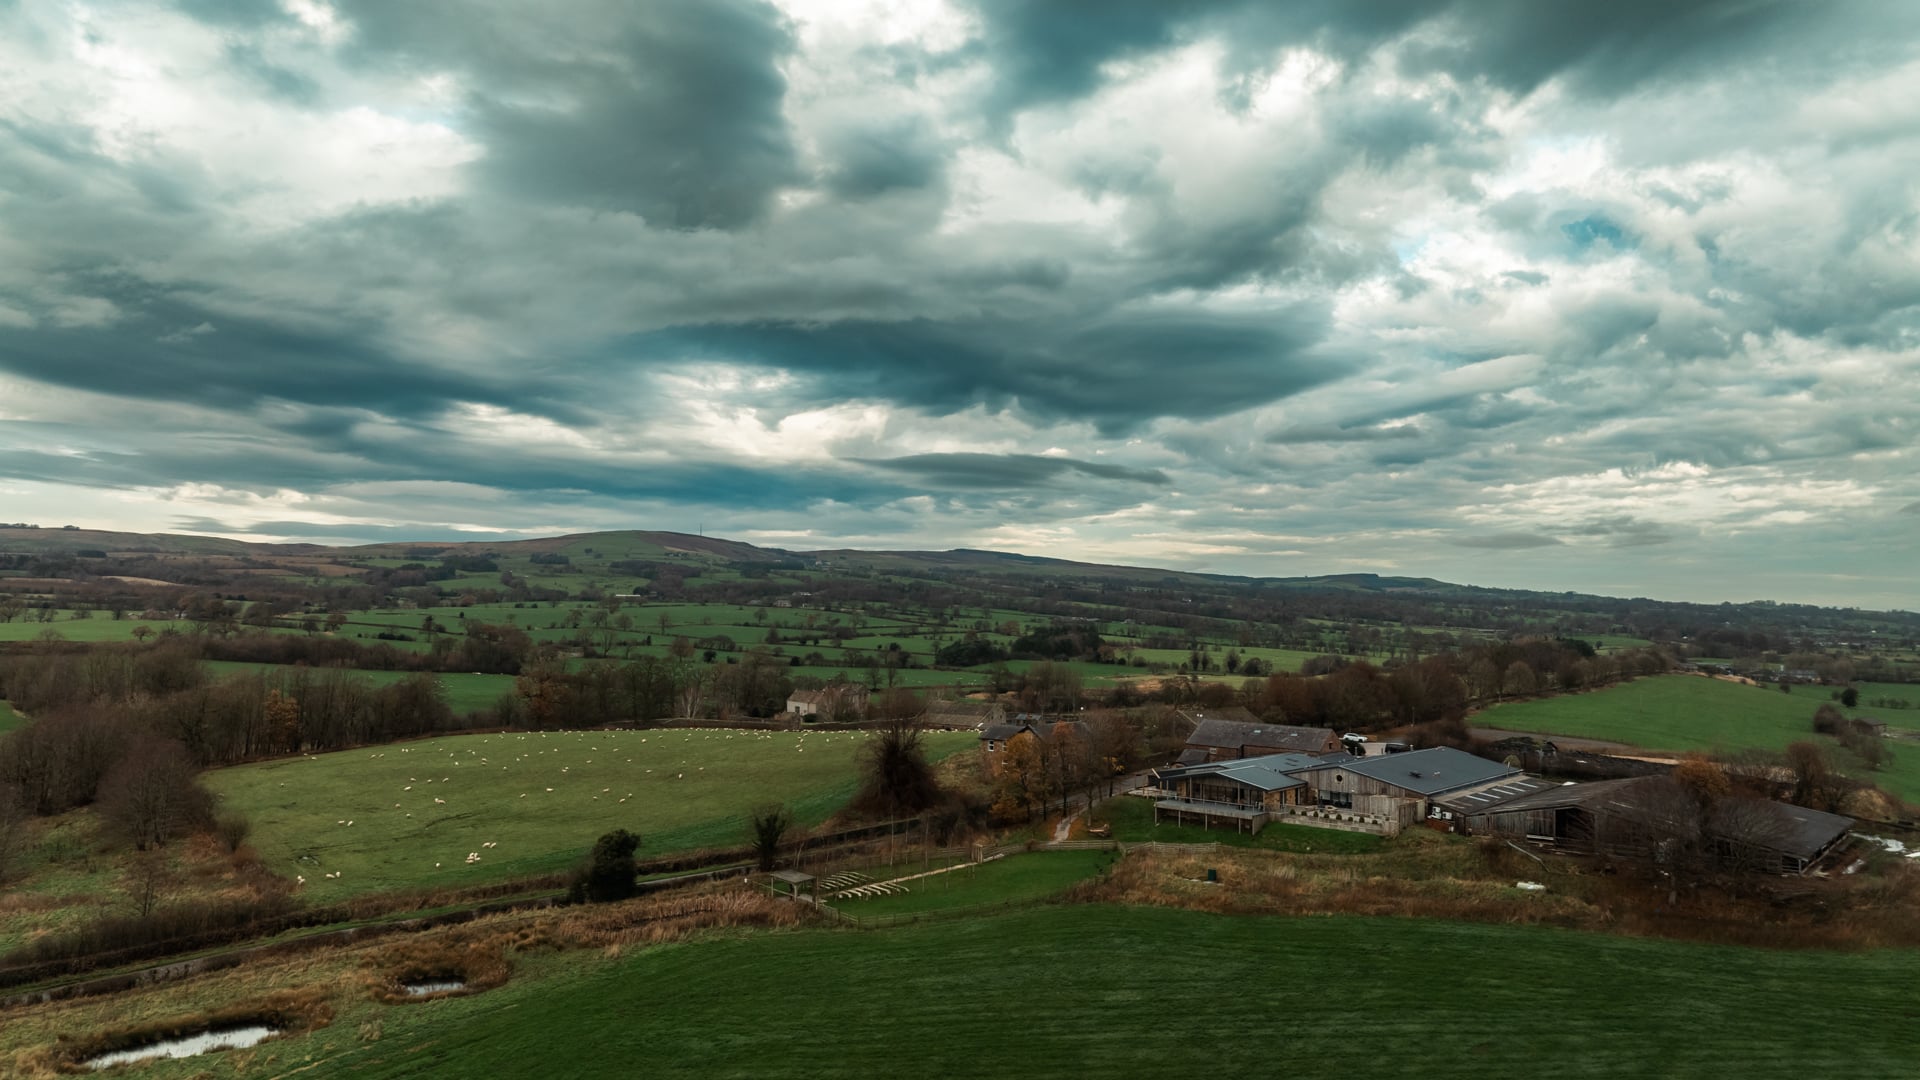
(1434, 771)
(1798, 831)
(1269, 772)
(1479, 800)
(1794, 830)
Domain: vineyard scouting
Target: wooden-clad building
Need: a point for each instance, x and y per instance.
(1245, 793)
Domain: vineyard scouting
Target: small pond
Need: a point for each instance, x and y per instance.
(186, 1046)
(434, 986)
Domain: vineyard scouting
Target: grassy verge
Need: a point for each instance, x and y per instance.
(1132, 821)
(1100, 986)
(8, 718)
(1011, 880)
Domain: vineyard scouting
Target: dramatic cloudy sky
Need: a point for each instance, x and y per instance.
(1613, 296)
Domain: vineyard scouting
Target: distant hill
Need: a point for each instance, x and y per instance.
(66, 541)
(588, 550)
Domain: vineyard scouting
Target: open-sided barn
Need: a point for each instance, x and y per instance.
(1651, 818)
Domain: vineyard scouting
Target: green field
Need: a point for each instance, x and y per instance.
(1898, 716)
(1689, 712)
(8, 718)
(1099, 991)
(99, 627)
(463, 692)
(418, 804)
(1013, 879)
(1132, 821)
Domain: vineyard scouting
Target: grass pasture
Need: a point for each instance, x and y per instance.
(8, 718)
(1119, 991)
(1010, 880)
(1690, 712)
(541, 798)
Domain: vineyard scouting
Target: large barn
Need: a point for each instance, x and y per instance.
(1642, 818)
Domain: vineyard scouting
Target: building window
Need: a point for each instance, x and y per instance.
(1342, 799)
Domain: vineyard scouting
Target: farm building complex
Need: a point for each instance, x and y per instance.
(1379, 794)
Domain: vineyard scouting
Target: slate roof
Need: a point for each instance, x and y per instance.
(1434, 771)
(1233, 734)
(1003, 732)
(1269, 772)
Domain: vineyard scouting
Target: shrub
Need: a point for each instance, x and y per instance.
(233, 830)
(768, 824)
(609, 871)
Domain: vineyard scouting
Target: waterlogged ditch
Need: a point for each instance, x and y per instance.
(424, 987)
(186, 1046)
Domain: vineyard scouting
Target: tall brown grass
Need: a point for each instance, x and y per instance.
(1478, 883)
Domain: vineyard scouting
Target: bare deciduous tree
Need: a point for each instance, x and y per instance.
(149, 879)
(152, 795)
(13, 827)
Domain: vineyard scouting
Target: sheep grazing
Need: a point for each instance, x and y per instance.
(441, 802)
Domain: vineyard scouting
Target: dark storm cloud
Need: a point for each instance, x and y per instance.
(235, 13)
(669, 111)
(1331, 433)
(1053, 52)
(1605, 47)
(153, 353)
(1625, 531)
(1118, 371)
(1049, 53)
(993, 471)
(871, 159)
(1507, 541)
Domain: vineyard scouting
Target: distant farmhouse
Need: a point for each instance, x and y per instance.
(995, 737)
(828, 703)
